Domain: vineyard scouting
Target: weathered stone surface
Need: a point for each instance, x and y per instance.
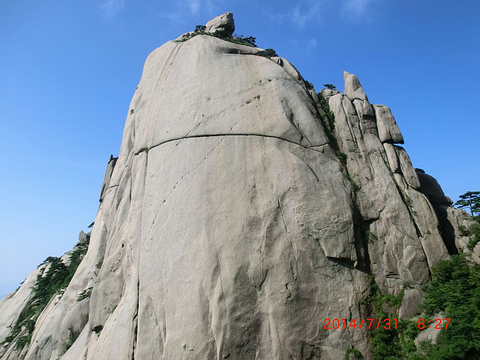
(228, 227)
(12, 305)
(328, 93)
(258, 86)
(291, 70)
(62, 316)
(429, 334)
(391, 217)
(406, 168)
(449, 218)
(412, 298)
(108, 174)
(353, 88)
(223, 23)
(392, 157)
(388, 130)
(366, 114)
(457, 219)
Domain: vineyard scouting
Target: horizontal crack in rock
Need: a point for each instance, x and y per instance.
(225, 135)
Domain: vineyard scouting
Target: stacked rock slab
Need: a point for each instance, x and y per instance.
(229, 229)
(400, 224)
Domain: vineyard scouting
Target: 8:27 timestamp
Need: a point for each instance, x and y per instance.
(423, 323)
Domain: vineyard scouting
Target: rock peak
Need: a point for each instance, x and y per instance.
(353, 88)
(223, 23)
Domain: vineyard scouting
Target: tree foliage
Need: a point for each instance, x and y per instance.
(55, 278)
(270, 53)
(224, 35)
(330, 86)
(455, 292)
(470, 200)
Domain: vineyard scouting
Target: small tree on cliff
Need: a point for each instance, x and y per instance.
(471, 200)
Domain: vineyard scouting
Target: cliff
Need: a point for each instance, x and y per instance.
(243, 210)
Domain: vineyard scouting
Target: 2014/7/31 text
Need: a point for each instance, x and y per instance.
(334, 324)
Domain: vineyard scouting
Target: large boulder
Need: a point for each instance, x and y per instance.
(223, 24)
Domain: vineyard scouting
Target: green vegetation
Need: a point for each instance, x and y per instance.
(353, 184)
(330, 86)
(474, 240)
(308, 85)
(240, 39)
(471, 200)
(393, 343)
(455, 294)
(54, 279)
(85, 294)
(73, 336)
(342, 157)
(270, 53)
(473, 233)
(326, 108)
(408, 201)
(353, 354)
(235, 38)
(329, 125)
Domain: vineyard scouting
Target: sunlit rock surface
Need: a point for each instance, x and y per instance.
(231, 226)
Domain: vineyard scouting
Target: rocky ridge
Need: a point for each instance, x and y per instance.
(238, 217)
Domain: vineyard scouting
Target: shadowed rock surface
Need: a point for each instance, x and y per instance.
(232, 223)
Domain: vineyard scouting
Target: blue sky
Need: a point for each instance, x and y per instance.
(68, 70)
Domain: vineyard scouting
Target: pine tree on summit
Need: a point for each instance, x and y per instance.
(470, 199)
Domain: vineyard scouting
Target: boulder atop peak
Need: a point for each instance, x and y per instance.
(223, 23)
(353, 88)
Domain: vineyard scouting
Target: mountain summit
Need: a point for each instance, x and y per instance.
(244, 210)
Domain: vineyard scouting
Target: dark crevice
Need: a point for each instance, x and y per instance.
(225, 135)
(369, 117)
(108, 175)
(446, 229)
(347, 262)
(408, 204)
(362, 235)
(440, 203)
(97, 329)
(313, 172)
(135, 320)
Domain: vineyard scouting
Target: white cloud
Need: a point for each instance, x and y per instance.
(301, 14)
(194, 6)
(355, 8)
(299, 18)
(110, 8)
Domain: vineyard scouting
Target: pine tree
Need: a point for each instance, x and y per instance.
(470, 199)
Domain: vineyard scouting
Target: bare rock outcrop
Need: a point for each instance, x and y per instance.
(223, 23)
(236, 219)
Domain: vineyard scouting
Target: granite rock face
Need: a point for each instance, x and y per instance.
(231, 225)
(223, 23)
